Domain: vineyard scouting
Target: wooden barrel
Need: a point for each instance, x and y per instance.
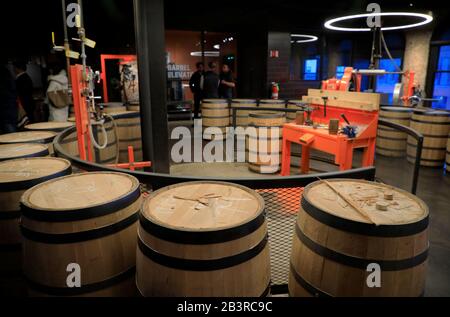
(71, 111)
(447, 157)
(391, 142)
(272, 103)
(215, 114)
(112, 107)
(49, 126)
(293, 104)
(129, 132)
(435, 127)
(134, 107)
(337, 252)
(16, 176)
(40, 137)
(214, 247)
(265, 143)
(242, 115)
(22, 150)
(89, 221)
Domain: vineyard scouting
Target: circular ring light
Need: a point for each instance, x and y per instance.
(305, 38)
(425, 19)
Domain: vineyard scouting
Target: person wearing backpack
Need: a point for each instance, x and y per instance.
(57, 97)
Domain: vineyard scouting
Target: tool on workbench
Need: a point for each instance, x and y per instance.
(349, 130)
(333, 127)
(325, 99)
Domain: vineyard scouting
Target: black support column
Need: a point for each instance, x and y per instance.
(150, 46)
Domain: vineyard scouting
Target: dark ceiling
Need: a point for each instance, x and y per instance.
(28, 24)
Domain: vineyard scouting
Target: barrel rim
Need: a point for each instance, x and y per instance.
(116, 104)
(215, 101)
(249, 101)
(125, 115)
(90, 212)
(364, 228)
(213, 233)
(38, 141)
(42, 153)
(397, 109)
(60, 126)
(27, 184)
(273, 101)
(267, 115)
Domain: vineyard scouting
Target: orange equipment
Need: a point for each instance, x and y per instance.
(319, 138)
(84, 105)
(103, 59)
(351, 74)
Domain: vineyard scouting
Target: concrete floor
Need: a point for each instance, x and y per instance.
(433, 188)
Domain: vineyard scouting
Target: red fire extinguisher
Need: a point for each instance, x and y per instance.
(275, 90)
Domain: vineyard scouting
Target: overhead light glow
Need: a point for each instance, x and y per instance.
(217, 46)
(207, 54)
(425, 19)
(304, 38)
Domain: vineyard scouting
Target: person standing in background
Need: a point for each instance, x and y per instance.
(210, 82)
(194, 84)
(58, 82)
(8, 106)
(24, 87)
(226, 83)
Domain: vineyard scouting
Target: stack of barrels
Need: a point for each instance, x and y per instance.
(265, 141)
(391, 142)
(435, 127)
(215, 119)
(376, 246)
(242, 121)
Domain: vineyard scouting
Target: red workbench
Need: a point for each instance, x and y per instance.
(338, 145)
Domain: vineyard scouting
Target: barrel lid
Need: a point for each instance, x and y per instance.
(27, 136)
(439, 113)
(405, 208)
(267, 115)
(397, 109)
(269, 101)
(49, 126)
(296, 101)
(214, 101)
(243, 101)
(27, 169)
(203, 206)
(11, 151)
(80, 191)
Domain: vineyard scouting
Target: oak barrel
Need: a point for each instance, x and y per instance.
(49, 126)
(242, 118)
(16, 176)
(391, 142)
(293, 104)
(129, 132)
(90, 221)
(338, 252)
(265, 141)
(203, 239)
(40, 137)
(435, 127)
(22, 150)
(215, 114)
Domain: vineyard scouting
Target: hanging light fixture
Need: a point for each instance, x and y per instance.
(303, 38)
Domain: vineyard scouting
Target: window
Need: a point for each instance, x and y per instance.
(386, 83)
(310, 69)
(340, 72)
(442, 79)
